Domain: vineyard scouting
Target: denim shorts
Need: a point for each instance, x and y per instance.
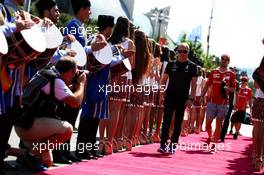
(214, 110)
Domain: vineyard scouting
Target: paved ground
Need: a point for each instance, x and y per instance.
(246, 130)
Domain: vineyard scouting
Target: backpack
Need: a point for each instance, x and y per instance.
(34, 100)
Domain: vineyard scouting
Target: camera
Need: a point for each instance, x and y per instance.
(77, 74)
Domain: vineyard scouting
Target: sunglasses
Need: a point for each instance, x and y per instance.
(244, 80)
(182, 51)
(225, 59)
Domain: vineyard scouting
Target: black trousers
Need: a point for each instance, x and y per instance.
(226, 123)
(70, 115)
(171, 105)
(87, 134)
(6, 124)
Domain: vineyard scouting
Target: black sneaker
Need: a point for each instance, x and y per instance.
(33, 163)
(72, 157)
(21, 160)
(61, 159)
(162, 149)
(235, 136)
(96, 154)
(172, 148)
(85, 155)
(10, 167)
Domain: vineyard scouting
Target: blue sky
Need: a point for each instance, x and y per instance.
(237, 26)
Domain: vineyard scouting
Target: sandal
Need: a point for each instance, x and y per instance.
(156, 138)
(197, 131)
(134, 141)
(101, 147)
(120, 144)
(115, 146)
(145, 138)
(142, 139)
(150, 138)
(258, 165)
(108, 148)
(137, 140)
(128, 144)
(184, 133)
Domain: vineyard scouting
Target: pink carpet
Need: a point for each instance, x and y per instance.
(232, 158)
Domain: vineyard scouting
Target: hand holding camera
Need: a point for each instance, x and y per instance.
(80, 77)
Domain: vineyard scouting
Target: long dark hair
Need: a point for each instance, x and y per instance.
(131, 31)
(158, 51)
(151, 46)
(142, 62)
(121, 30)
(165, 54)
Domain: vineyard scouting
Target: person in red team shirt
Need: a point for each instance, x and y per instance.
(222, 81)
(243, 97)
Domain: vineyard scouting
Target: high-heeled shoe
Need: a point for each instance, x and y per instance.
(197, 131)
(150, 138)
(115, 146)
(156, 138)
(108, 148)
(134, 141)
(145, 138)
(258, 165)
(101, 149)
(128, 144)
(142, 139)
(137, 140)
(120, 144)
(184, 133)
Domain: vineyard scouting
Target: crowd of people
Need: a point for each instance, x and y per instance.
(44, 102)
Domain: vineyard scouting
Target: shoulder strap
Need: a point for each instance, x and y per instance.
(52, 88)
(51, 75)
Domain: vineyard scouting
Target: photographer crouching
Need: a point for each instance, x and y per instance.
(38, 123)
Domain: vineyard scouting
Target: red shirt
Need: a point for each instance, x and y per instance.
(215, 79)
(243, 97)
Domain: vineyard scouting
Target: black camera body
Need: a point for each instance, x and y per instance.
(78, 73)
